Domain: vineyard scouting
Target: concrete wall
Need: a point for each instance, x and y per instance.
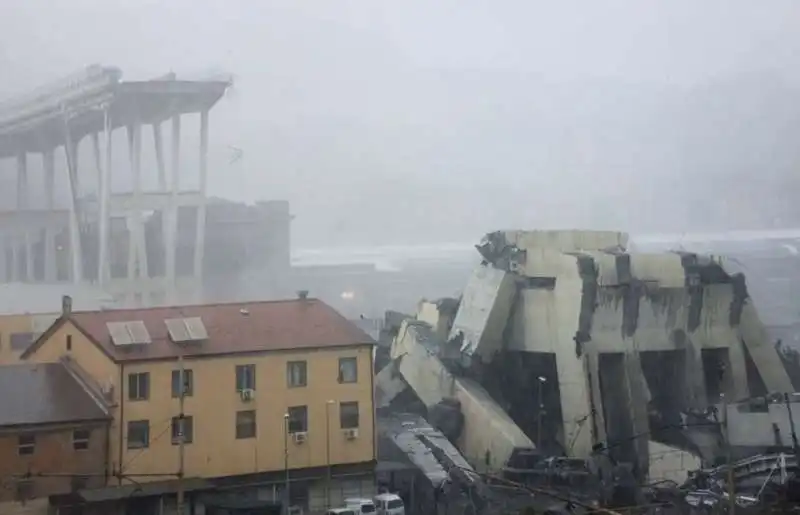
(546, 320)
(340, 489)
(671, 464)
(762, 429)
(311, 496)
(34, 507)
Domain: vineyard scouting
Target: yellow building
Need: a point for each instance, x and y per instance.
(268, 387)
(17, 332)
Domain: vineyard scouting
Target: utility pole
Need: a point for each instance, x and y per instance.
(795, 445)
(539, 414)
(181, 435)
(328, 452)
(729, 456)
(286, 460)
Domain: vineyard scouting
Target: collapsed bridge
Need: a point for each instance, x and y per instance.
(564, 342)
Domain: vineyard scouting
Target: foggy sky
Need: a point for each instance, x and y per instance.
(396, 121)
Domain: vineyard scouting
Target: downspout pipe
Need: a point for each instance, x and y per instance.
(121, 421)
(107, 467)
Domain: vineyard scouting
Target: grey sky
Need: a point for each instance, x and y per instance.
(340, 104)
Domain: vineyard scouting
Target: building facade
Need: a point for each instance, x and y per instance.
(269, 390)
(54, 436)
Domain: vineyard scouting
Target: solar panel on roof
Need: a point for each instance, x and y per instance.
(138, 331)
(119, 333)
(177, 330)
(183, 330)
(196, 328)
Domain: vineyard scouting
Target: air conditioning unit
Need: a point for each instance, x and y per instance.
(350, 434)
(300, 437)
(248, 394)
(108, 391)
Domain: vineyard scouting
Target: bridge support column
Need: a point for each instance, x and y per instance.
(200, 236)
(48, 164)
(23, 204)
(76, 255)
(3, 260)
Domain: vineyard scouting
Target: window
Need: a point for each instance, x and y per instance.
(69, 342)
(26, 445)
(348, 415)
(298, 419)
(296, 374)
(245, 424)
(80, 439)
(21, 341)
(139, 386)
(348, 370)
(188, 430)
(188, 383)
(138, 434)
(393, 504)
(245, 377)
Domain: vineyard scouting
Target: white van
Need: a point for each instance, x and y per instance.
(361, 506)
(389, 504)
(341, 511)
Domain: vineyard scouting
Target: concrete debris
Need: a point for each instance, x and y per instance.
(484, 312)
(489, 437)
(616, 364)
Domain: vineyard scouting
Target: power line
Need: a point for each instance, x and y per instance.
(123, 467)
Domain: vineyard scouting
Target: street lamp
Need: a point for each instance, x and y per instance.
(788, 403)
(328, 450)
(286, 460)
(539, 386)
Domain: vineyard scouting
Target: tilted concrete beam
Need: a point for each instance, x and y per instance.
(484, 312)
(489, 437)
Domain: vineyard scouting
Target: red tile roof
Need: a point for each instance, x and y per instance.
(232, 328)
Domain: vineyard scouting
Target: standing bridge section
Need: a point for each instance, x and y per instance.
(99, 236)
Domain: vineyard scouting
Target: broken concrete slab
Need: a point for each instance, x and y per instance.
(484, 312)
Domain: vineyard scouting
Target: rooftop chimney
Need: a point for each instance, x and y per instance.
(66, 305)
(302, 294)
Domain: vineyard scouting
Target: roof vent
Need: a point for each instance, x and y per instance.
(302, 294)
